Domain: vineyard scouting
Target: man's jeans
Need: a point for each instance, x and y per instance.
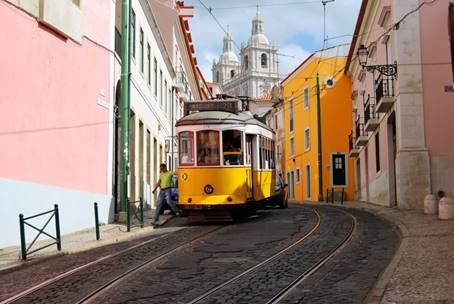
(164, 196)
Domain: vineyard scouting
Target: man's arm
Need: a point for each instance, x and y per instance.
(157, 185)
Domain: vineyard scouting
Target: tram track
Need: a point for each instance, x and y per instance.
(277, 298)
(232, 291)
(42, 292)
(260, 265)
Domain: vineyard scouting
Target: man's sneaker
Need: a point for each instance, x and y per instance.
(154, 223)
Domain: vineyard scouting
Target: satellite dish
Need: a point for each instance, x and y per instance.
(330, 82)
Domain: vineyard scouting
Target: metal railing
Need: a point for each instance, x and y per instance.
(384, 88)
(23, 221)
(359, 129)
(331, 195)
(135, 213)
(369, 111)
(181, 79)
(351, 142)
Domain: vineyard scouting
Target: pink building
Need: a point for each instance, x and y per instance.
(402, 143)
(55, 112)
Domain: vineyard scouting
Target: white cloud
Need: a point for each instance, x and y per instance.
(297, 29)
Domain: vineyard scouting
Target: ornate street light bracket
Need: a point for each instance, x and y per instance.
(385, 69)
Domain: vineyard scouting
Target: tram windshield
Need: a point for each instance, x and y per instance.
(208, 148)
(232, 147)
(186, 148)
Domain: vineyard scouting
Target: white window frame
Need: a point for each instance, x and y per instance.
(306, 98)
(292, 146)
(307, 141)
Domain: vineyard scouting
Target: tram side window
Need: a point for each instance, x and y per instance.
(208, 148)
(186, 148)
(232, 147)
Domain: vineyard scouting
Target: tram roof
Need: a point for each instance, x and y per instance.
(220, 117)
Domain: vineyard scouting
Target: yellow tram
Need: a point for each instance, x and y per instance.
(226, 158)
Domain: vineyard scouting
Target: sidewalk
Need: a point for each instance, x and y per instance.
(422, 271)
(78, 241)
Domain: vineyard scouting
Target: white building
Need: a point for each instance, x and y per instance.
(257, 71)
(163, 76)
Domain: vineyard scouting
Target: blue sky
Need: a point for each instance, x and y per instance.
(295, 25)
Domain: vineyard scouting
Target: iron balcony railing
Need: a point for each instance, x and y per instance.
(369, 111)
(384, 88)
(359, 129)
(182, 80)
(351, 142)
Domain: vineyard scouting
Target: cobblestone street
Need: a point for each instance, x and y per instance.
(188, 263)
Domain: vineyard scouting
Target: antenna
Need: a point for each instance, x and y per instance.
(324, 2)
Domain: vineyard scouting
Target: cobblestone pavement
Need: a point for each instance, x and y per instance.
(347, 278)
(72, 288)
(185, 276)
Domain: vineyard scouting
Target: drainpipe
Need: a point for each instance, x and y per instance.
(172, 126)
(319, 137)
(124, 108)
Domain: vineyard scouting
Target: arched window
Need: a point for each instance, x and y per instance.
(246, 62)
(232, 73)
(264, 60)
(217, 76)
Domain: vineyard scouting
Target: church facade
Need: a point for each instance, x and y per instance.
(256, 72)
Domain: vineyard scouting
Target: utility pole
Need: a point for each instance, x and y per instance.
(319, 137)
(124, 109)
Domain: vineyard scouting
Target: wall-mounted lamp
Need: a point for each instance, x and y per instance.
(385, 69)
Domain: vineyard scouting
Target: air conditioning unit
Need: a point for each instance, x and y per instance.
(330, 82)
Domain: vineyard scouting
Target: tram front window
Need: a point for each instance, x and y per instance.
(232, 147)
(208, 148)
(186, 148)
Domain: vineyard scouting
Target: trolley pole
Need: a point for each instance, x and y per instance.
(319, 138)
(124, 109)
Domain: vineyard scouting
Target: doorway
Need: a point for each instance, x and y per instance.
(338, 170)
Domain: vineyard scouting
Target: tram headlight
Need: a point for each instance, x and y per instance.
(208, 189)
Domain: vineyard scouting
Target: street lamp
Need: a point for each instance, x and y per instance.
(385, 69)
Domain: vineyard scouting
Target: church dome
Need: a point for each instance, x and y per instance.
(258, 39)
(258, 34)
(228, 55)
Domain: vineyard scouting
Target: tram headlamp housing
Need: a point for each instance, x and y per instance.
(208, 189)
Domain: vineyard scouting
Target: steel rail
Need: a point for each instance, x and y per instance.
(283, 293)
(74, 270)
(131, 271)
(256, 267)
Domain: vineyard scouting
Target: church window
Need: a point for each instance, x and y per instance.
(232, 73)
(217, 76)
(246, 62)
(264, 61)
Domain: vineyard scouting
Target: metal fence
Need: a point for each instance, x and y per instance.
(23, 222)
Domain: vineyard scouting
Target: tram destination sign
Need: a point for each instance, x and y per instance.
(232, 106)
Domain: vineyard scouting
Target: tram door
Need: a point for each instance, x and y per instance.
(249, 162)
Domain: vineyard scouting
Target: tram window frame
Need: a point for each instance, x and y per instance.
(210, 146)
(190, 139)
(233, 149)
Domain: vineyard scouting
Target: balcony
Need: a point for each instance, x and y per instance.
(370, 116)
(353, 150)
(181, 82)
(384, 93)
(361, 136)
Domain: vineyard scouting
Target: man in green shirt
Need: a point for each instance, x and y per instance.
(165, 180)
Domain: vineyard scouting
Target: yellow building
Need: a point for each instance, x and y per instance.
(302, 170)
